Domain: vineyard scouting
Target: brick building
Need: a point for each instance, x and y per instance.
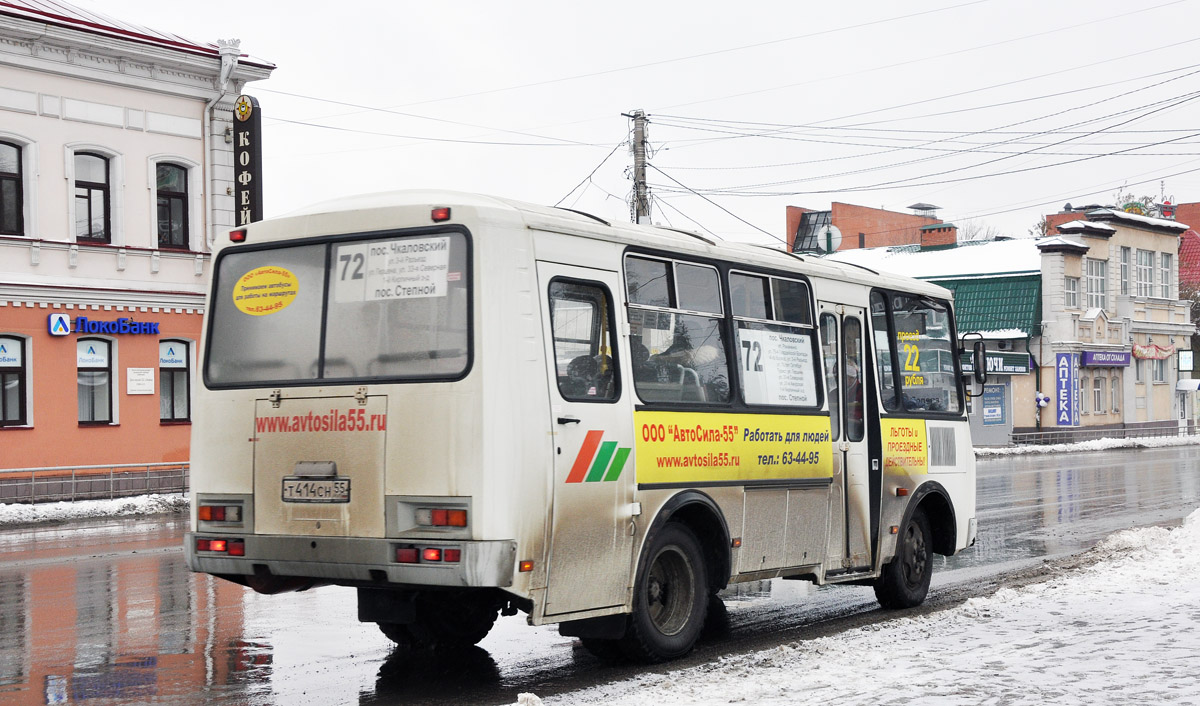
(866, 227)
(116, 173)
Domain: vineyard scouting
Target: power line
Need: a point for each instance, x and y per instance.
(593, 172)
(426, 138)
(743, 220)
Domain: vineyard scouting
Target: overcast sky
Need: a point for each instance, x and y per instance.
(991, 109)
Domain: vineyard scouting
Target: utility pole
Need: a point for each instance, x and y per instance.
(640, 208)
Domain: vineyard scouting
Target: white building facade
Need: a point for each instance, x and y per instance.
(116, 174)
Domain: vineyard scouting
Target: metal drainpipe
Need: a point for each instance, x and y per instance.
(226, 50)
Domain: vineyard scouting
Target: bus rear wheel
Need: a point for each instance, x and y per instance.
(904, 582)
(670, 597)
(444, 621)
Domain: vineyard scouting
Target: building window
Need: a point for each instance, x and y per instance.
(1164, 274)
(1097, 277)
(12, 200)
(94, 363)
(92, 222)
(174, 381)
(1160, 370)
(171, 180)
(1082, 396)
(1116, 392)
(13, 382)
(1139, 370)
(1072, 296)
(1125, 264)
(1145, 273)
(1098, 394)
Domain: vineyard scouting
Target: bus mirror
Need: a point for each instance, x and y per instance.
(979, 360)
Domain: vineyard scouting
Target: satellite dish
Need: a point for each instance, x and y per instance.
(829, 238)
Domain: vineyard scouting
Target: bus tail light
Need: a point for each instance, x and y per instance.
(407, 555)
(452, 556)
(219, 513)
(440, 214)
(431, 555)
(237, 236)
(232, 547)
(441, 517)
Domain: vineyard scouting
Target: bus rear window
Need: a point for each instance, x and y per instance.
(392, 307)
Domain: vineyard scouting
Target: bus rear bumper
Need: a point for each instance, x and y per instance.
(356, 560)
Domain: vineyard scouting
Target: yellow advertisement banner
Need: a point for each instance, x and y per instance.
(905, 451)
(703, 447)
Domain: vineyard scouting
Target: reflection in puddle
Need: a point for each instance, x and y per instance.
(435, 675)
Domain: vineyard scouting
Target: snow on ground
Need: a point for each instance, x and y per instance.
(22, 514)
(1123, 630)
(1091, 445)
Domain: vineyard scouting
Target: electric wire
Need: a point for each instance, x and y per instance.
(593, 172)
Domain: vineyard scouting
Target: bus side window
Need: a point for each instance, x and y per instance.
(584, 351)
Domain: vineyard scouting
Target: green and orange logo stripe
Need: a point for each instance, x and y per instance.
(598, 461)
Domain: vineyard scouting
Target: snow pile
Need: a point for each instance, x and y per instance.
(1151, 442)
(20, 514)
(1123, 630)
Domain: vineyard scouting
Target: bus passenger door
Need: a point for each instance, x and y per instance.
(842, 329)
(591, 428)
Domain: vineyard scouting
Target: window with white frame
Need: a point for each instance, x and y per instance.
(12, 192)
(1097, 277)
(1098, 393)
(1116, 391)
(95, 384)
(1160, 370)
(174, 381)
(1164, 274)
(171, 188)
(1139, 370)
(1072, 292)
(93, 221)
(14, 380)
(1082, 395)
(1126, 257)
(1145, 273)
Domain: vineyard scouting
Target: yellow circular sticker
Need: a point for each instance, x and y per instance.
(265, 290)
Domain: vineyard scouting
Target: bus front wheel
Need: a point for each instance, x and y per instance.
(905, 581)
(670, 597)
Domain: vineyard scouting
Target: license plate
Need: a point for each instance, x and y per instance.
(316, 490)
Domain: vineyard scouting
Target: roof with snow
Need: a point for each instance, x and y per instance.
(63, 14)
(1075, 226)
(969, 258)
(1133, 219)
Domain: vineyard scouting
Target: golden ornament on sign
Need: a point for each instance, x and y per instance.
(242, 108)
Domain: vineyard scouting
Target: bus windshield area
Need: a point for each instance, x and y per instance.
(914, 345)
(389, 307)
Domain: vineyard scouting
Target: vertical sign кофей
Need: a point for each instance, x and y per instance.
(247, 160)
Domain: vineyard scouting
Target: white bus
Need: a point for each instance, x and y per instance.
(461, 405)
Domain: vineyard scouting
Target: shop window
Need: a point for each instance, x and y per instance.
(92, 219)
(95, 384)
(13, 382)
(12, 201)
(174, 381)
(172, 190)
(1098, 394)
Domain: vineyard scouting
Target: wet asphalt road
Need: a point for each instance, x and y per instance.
(106, 611)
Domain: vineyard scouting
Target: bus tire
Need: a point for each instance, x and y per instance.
(444, 622)
(905, 580)
(602, 649)
(670, 597)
